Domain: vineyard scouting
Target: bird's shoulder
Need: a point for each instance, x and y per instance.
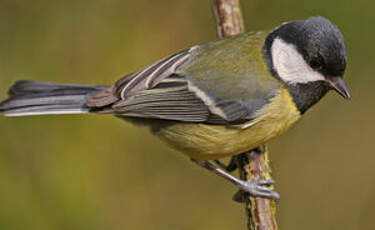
(232, 68)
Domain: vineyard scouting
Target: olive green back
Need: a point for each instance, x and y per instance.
(233, 69)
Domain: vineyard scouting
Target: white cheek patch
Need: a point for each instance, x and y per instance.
(290, 65)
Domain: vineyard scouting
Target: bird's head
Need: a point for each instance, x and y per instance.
(308, 52)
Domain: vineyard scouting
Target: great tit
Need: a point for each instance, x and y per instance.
(213, 100)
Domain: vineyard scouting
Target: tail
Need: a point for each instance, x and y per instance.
(28, 98)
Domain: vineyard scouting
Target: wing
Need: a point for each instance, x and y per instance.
(216, 83)
(170, 99)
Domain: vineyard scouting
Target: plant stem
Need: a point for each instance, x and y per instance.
(254, 164)
(261, 212)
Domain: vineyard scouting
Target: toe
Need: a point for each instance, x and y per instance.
(265, 182)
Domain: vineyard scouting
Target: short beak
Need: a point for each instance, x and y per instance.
(338, 84)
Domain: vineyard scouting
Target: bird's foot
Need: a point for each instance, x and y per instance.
(256, 188)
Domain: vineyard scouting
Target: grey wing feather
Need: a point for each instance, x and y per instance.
(157, 92)
(170, 100)
(150, 76)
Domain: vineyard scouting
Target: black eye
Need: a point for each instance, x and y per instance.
(317, 63)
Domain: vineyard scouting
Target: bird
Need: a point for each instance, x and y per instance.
(214, 100)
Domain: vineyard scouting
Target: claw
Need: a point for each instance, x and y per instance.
(240, 196)
(257, 188)
(265, 182)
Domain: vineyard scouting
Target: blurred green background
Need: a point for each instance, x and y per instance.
(98, 172)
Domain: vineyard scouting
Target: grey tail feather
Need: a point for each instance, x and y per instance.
(28, 98)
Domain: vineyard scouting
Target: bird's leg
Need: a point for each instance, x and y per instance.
(232, 165)
(256, 188)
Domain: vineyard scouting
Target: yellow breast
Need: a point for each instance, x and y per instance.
(205, 142)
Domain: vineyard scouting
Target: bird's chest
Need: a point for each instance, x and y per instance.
(202, 141)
